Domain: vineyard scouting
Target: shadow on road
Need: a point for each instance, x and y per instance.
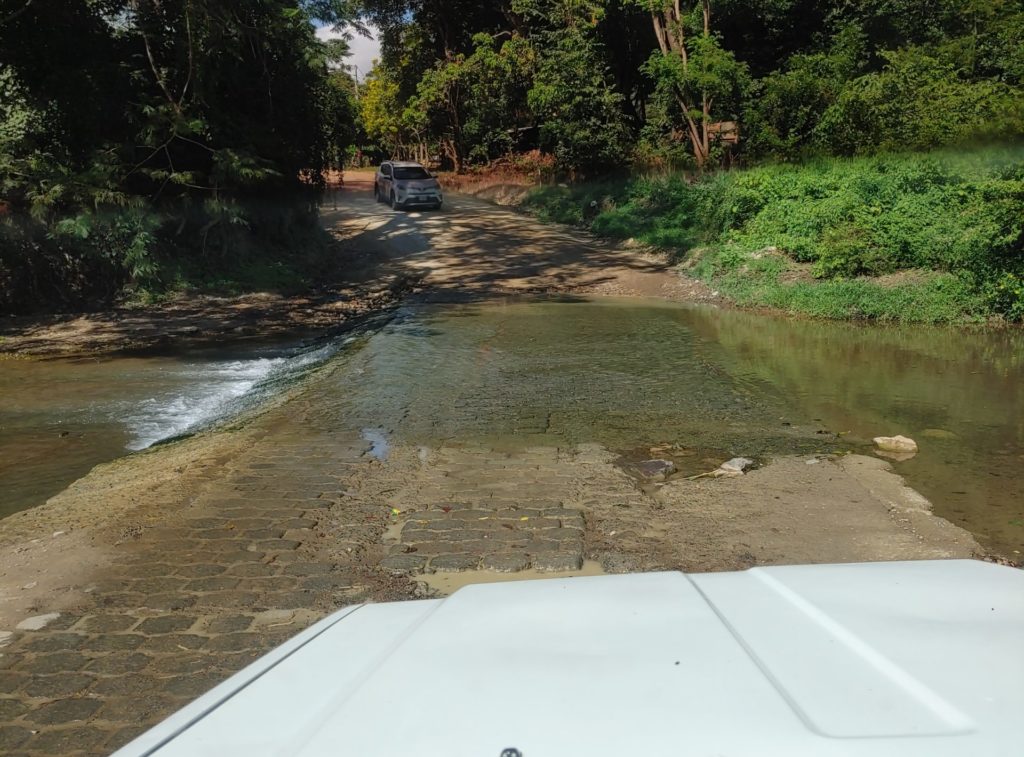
(471, 249)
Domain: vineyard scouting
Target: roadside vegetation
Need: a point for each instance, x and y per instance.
(933, 237)
(821, 157)
(148, 147)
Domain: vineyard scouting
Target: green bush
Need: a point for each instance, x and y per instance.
(956, 217)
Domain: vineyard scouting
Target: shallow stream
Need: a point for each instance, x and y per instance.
(628, 374)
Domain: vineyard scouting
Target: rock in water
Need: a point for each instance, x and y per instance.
(655, 468)
(736, 465)
(895, 444)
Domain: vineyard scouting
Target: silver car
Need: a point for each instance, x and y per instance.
(403, 184)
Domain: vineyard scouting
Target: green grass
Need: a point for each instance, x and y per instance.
(935, 237)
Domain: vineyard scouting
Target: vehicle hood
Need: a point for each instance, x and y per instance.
(921, 658)
(415, 184)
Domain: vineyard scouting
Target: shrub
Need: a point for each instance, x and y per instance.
(958, 215)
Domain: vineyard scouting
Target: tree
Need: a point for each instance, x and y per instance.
(138, 132)
(694, 70)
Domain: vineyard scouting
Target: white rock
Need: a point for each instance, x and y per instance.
(5, 638)
(736, 465)
(58, 533)
(30, 585)
(895, 444)
(37, 622)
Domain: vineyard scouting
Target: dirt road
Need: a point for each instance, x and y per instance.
(474, 249)
(158, 575)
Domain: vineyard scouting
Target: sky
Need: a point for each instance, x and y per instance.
(363, 50)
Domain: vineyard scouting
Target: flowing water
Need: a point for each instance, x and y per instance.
(629, 375)
(59, 418)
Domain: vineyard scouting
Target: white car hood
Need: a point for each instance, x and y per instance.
(921, 658)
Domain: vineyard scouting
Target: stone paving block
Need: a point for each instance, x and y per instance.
(562, 512)
(252, 569)
(228, 624)
(173, 643)
(473, 514)
(11, 682)
(133, 709)
(55, 642)
(327, 582)
(135, 686)
(230, 599)
(118, 664)
(119, 600)
(557, 561)
(271, 584)
(180, 664)
(502, 563)
(115, 642)
(12, 737)
(213, 583)
(264, 533)
(165, 624)
(54, 662)
(403, 563)
(442, 525)
(234, 642)
(307, 569)
(58, 686)
(200, 570)
(11, 709)
(168, 602)
(454, 562)
(105, 623)
(192, 686)
(63, 711)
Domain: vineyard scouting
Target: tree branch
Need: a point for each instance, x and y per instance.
(14, 14)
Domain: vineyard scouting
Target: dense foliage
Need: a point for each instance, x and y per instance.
(142, 141)
(146, 143)
(932, 237)
(601, 84)
(910, 90)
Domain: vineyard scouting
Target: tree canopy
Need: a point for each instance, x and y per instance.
(602, 84)
(134, 133)
(147, 142)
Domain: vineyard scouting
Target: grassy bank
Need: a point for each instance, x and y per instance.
(933, 237)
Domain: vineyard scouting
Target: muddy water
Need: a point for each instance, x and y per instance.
(959, 394)
(60, 418)
(706, 384)
(630, 375)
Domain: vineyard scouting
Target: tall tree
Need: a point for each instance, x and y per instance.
(692, 67)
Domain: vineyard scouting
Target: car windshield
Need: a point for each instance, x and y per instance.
(411, 172)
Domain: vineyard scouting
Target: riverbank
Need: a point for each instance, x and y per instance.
(912, 238)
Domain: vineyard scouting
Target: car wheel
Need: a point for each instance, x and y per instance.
(393, 202)
(437, 206)
(376, 193)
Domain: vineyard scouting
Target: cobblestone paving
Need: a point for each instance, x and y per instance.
(305, 522)
(506, 541)
(496, 511)
(189, 600)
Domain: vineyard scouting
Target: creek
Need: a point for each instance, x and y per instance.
(631, 375)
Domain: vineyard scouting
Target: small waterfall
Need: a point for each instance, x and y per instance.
(210, 391)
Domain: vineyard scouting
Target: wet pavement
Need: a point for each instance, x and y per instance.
(456, 442)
